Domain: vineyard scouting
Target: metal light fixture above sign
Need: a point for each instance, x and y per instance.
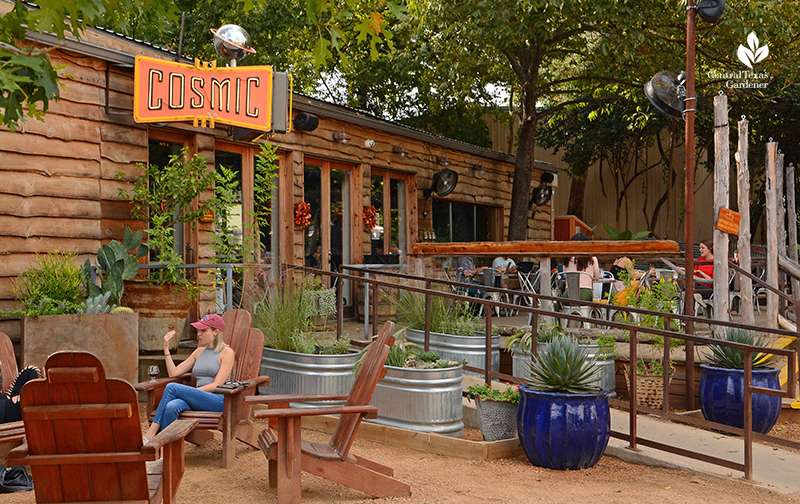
(232, 42)
(442, 160)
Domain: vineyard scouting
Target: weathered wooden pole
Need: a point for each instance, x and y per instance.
(781, 209)
(772, 233)
(743, 179)
(721, 199)
(791, 217)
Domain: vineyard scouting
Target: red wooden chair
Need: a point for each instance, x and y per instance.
(11, 433)
(84, 438)
(288, 453)
(234, 421)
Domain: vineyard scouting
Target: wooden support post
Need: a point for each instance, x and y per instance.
(781, 209)
(544, 283)
(743, 179)
(791, 212)
(721, 199)
(772, 233)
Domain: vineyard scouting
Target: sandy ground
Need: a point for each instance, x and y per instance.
(440, 479)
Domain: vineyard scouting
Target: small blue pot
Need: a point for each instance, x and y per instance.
(722, 397)
(563, 431)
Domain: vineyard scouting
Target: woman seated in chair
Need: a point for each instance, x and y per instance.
(704, 268)
(10, 410)
(211, 364)
(585, 264)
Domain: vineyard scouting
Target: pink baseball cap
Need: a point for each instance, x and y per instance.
(211, 320)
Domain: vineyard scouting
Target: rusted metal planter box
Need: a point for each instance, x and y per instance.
(113, 338)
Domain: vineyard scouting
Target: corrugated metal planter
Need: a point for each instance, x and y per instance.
(426, 400)
(297, 373)
(457, 348)
(607, 380)
(563, 431)
(498, 419)
(722, 397)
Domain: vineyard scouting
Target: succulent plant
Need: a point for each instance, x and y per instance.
(122, 309)
(114, 265)
(733, 358)
(565, 368)
(98, 304)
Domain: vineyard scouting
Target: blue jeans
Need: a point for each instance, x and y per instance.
(178, 398)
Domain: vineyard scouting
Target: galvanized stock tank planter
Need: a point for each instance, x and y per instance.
(299, 373)
(425, 400)
(457, 348)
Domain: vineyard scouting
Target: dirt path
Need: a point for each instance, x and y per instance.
(439, 479)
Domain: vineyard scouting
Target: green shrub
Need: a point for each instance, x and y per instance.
(51, 286)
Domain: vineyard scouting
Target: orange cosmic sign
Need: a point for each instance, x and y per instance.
(167, 91)
(728, 221)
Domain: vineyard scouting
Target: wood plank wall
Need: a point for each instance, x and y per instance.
(60, 190)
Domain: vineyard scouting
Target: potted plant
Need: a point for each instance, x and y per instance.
(455, 333)
(56, 314)
(563, 421)
(421, 391)
(649, 381)
(319, 302)
(497, 410)
(721, 389)
(297, 359)
(164, 197)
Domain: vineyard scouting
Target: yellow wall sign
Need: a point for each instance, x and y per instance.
(168, 91)
(728, 221)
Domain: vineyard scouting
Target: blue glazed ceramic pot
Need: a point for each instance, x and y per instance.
(563, 431)
(722, 397)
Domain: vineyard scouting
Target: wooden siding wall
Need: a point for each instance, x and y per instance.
(60, 190)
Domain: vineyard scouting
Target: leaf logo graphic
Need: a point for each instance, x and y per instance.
(753, 54)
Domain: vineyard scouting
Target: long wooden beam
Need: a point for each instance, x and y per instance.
(598, 248)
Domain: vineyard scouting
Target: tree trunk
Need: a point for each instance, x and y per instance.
(577, 192)
(523, 172)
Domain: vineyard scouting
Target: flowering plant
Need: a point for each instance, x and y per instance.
(302, 214)
(370, 215)
(487, 393)
(52, 286)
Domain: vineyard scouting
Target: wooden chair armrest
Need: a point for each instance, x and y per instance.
(161, 382)
(176, 431)
(17, 455)
(368, 409)
(286, 398)
(251, 384)
(12, 432)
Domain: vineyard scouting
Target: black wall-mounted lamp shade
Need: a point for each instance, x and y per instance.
(305, 122)
(547, 178)
(541, 195)
(444, 182)
(665, 91)
(710, 11)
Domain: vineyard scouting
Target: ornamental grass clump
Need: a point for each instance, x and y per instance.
(565, 368)
(733, 358)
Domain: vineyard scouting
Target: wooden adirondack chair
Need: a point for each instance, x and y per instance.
(234, 421)
(84, 438)
(11, 433)
(288, 454)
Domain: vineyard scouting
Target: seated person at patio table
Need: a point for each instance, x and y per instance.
(211, 364)
(10, 410)
(586, 264)
(505, 268)
(704, 269)
(625, 264)
(467, 272)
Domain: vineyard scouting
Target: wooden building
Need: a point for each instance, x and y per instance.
(60, 192)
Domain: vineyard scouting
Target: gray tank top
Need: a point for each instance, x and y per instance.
(206, 367)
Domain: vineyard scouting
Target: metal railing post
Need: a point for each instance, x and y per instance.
(229, 286)
(632, 378)
(748, 414)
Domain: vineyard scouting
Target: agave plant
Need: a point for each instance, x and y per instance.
(565, 368)
(733, 358)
